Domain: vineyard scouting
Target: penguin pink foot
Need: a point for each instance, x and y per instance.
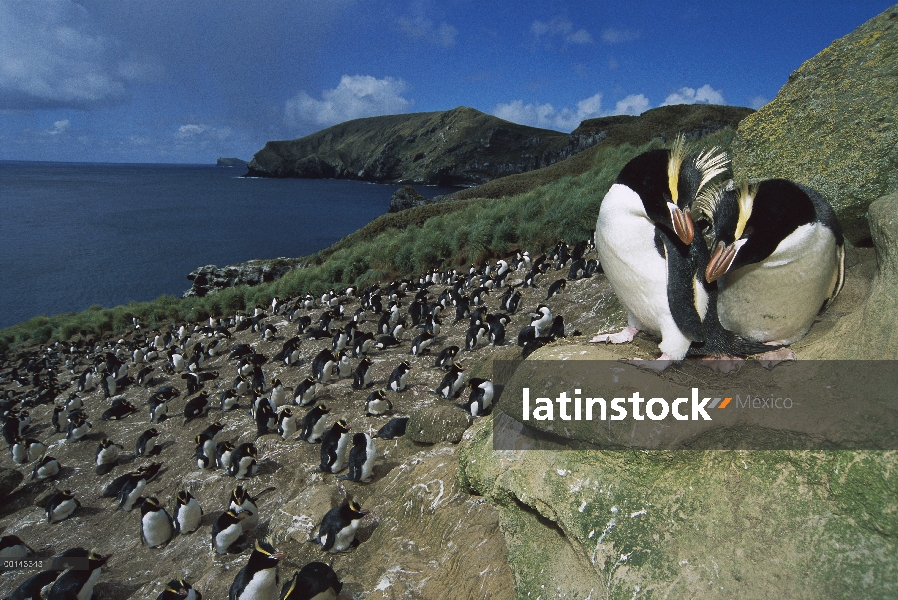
(657, 364)
(772, 358)
(621, 337)
(723, 364)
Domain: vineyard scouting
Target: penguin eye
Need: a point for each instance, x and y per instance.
(748, 231)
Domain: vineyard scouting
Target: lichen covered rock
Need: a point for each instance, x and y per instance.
(834, 125)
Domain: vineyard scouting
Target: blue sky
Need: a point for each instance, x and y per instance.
(175, 81)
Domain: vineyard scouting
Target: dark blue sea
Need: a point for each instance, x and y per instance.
(77, 234)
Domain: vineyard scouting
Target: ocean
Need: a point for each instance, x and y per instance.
(74, 235)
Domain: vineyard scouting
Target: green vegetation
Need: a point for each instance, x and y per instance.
(452, 234)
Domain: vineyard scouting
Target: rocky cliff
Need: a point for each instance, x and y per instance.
(460, 147)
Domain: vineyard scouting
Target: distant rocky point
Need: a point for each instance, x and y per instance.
(407, 197)
(230, 162)
(458, 147)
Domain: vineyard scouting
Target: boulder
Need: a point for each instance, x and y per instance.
(407, 197)
(440, 423)
(9, 480)
(834, 125)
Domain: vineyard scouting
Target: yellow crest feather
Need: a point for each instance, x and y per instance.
(674, 162)
(746, 201)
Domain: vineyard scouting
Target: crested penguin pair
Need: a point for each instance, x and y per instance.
(778, 244)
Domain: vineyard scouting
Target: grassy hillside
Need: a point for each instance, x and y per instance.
(401, 244)
(664, 123)
(461, 146)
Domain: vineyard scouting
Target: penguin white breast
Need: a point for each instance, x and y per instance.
(63, 510)
(345, 536)
(87, 590)
(262, 586)
(778, 299)
(368, 465)
(227, 536)
(157, 528)
(189, 516)
(625, 242)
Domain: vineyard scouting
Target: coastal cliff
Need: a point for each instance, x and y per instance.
(458, 147)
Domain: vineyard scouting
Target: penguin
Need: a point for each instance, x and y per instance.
(556, 288)
(130, 492)
(377, 404)
(259, 579)
(334, 448)
(228, 400)
(393, 429)
(323, 365)
(361, 459)
(578, 270)
(266, 418)
(145, 445)
(313, 424)
(12, 546)
(155, 523)
(242, 502)
(343, 367)
(79, 583)
(338, 528)
(362, 375)
(78, 427)
(315, 580)
(496, 323)
(398, 381)
(286, 424)
(188, 513)
(304, 392)
(107, 455)
(158, 409)
(46, 468)
(223, 452)
(178, 589)
(243, 461)
(60, 506)
(278, 395)
(480, 401)
(446, 357)
(59, 419)
(205, 451)
(452, 382)
(28, 450)
(475, 335)
(362, 344)
(226, 531)
(196, 407)
(510, 301)
(240, 386)
(778, 258)
(643, 232)
(421, 343)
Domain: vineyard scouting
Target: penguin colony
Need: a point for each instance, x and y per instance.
(328, 382)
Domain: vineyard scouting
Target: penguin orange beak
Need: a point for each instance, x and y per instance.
(279, 555)
(682, 222)
(720, 261)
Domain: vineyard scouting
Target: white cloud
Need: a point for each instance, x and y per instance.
(559, 27)
(60, 127)
(618, 36)
(758, 101)
(202, 133)
(687, 95)
(634, 104)
(50, 58)
(548, 117)
(442, 35)
(355, 97)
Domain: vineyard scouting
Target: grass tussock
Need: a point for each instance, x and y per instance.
(405, 244)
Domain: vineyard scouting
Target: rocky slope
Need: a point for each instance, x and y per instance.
(460, 147)
(842, 103)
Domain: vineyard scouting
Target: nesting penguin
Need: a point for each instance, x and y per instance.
(377, 403)
(778, 257)
(178, 589)
(393, 429)
(480, 401)
(155, 523)
(643, 236)
(398, 381)
(79, 583)
(313, 424)
(338, 528)
(226, 531)
(188, 513)
(60, 506)
(12, 546)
